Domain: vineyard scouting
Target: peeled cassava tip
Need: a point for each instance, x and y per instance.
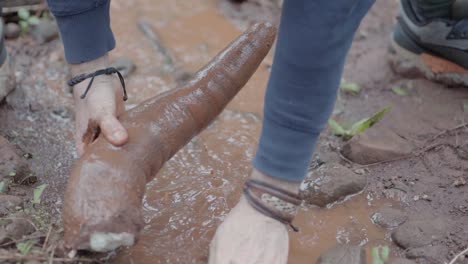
(103, 200)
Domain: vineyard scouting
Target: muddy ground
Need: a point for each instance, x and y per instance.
(424, 136)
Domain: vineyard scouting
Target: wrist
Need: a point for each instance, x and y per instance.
(87, 68)
(282, 184)
(90, 66)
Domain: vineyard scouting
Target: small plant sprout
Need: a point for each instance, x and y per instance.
(38, 193)
(25, 247)
(380, 254)
(3, 186)
(348, 87)
(27, 20)
(358, 127)
(401, 91)
(465, 105)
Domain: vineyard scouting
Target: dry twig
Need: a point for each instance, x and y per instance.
(458, 255)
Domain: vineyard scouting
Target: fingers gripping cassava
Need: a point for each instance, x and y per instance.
(102, 209)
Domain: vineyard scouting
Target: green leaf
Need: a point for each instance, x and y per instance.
(25, 247)
(3, 186)
(362, 125)
(33, 20)
(38, 193)
(465, 105)
(24, 26)
(336, 128)
(358, 127)
(380, 254)
(400, 91)
(376, 256)
(45, 15)
(352, 88)
(23, 14)
(385, 252)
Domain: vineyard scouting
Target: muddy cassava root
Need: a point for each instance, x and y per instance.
(102, 208)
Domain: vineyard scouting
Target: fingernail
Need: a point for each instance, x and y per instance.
(119, 135)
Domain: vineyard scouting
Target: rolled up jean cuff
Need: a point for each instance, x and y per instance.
(86, 36)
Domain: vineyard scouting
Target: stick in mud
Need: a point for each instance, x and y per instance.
(170, 64)
(145, 27)
(103, 200)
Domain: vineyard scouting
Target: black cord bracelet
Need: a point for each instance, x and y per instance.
(108, 71)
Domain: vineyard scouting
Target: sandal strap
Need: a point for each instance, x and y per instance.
(272, 201)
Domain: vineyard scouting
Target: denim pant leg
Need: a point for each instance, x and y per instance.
(314, 39)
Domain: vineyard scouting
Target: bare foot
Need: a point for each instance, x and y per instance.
(99, 110)
(248, 237)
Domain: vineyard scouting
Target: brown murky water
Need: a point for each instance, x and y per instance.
(196, 189)
(193, 193)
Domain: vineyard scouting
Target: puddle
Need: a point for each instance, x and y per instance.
(193, 193)
(346, 223)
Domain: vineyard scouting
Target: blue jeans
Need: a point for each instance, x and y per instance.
(314, 39)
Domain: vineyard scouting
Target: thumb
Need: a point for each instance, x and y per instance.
(113, 130)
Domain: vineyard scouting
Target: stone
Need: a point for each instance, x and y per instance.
(45, 31)
(33, 262)
(12, 31)
(462, 151)
(7, 78)
(388, 217)
(330, 183)
(376, 145)
(3, 236)
(8, 203)
(402, 261)
(343, 254)
(418, 233)
(396, 194)
(17, 99)
(430, 254)
(62, 112)
(11, 163)
(20, 226)
(125, 65)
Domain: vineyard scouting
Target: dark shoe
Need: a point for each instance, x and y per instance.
(436, 48)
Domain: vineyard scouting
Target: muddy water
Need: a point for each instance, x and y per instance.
(195, 190)
(346, 223)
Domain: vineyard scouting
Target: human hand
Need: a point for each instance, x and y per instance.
(99, 110)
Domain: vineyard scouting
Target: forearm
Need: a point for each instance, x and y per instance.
(84, 28)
